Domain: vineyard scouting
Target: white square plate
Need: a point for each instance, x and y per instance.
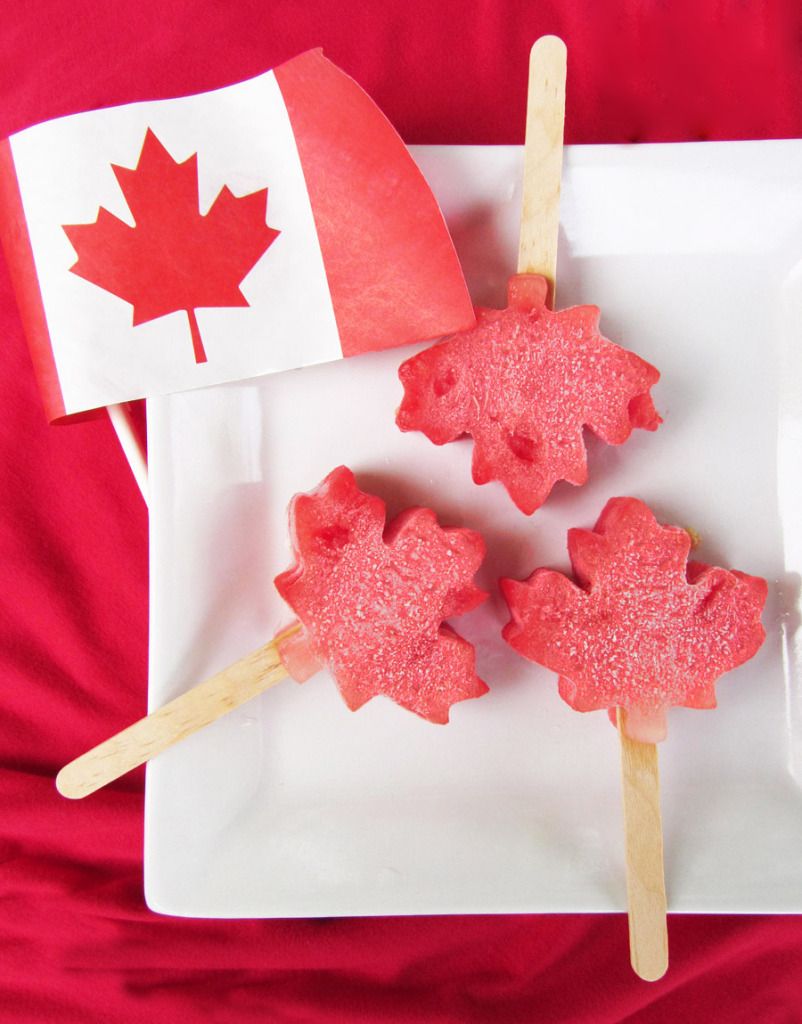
(294, 806)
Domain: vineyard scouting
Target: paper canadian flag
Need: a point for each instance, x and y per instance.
(173, 244)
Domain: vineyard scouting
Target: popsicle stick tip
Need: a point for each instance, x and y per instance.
(66, 787)
(552, 44)
(652, 972)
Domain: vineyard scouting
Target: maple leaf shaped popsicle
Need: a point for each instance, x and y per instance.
(372, 600)
(173, 259)
(641, 628)
(524, 383)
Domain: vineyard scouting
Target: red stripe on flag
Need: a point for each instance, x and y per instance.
(22, 270)
(392, 271)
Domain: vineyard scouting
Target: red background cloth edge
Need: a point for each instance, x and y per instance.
(77, 943)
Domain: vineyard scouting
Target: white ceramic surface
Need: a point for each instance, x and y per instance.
(294, 806)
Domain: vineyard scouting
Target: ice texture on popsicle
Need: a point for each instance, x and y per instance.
(641, 628)
(524, 382)
(371, 599)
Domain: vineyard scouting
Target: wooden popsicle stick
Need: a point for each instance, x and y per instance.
(193, 710)
(646, 892)
(537, 254)
(543, 161)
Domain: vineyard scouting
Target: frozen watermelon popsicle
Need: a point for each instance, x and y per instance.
(370, 601)
(639, 629)
(642, 628)
(527, 380)
(524, 383)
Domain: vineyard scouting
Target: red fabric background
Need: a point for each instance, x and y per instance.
(77, 943)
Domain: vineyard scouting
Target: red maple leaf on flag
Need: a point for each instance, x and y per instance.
(372, 600)
(642, 628)
(524, 382)
(173, 258)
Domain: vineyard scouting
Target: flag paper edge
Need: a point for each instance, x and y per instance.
(16, 244)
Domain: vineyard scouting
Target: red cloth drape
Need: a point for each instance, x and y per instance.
(77, 943)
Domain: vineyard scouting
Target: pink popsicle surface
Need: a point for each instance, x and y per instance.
(524, 383)
(641, 628)
(371, 600)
